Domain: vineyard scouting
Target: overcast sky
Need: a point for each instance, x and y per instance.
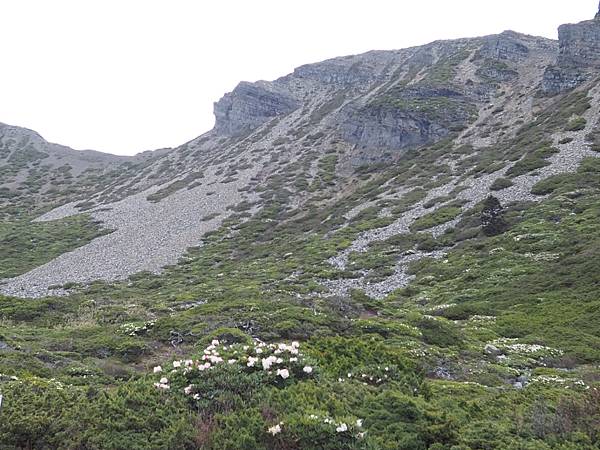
(123, 76)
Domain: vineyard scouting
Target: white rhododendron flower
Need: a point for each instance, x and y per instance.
(157, 369)
(275, 429)
(164, 380)
(251, 361)
(268, 362)
(176, 364)
(307, 369)
(188, 389)
(283, 373)
(215, 342)
(341, 428)
(359, 422)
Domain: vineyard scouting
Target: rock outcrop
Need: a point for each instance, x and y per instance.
(504, 46)
(578, 57)
(408, 117)
(579, 44)
(250, 105)
(378, 127)
(349, 70)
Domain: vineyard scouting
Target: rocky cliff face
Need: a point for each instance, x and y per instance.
(578, 57)
(250, 105)
(406, 117)
(388, 101)
(580, 44)
(506, 46)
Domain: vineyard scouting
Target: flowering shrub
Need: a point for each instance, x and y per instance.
(137, 329)
(535, 350)
(557, 381)
(317, 431)
(225, 374)
(374, 375)
(249, 429)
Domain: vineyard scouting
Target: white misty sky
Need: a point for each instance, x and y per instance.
(131, 75)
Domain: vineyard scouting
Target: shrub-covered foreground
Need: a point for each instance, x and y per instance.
(331, 393)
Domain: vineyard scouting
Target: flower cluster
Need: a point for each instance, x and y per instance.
(542, 256)
(275, 429)
(554, 380)
(513, 346)
(277, 361)
(373, 375)
(437, 308)
(340, 426)
(480, 318)
(133, 329)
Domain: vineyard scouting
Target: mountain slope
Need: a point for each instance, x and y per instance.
(40, 174)
(398, 249)
(365, 109)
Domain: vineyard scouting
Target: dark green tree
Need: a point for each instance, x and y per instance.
(492, 220)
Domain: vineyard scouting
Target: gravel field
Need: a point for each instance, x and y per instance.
(147, 236)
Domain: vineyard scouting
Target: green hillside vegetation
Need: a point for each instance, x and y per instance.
(531, 292)
(25, 245)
